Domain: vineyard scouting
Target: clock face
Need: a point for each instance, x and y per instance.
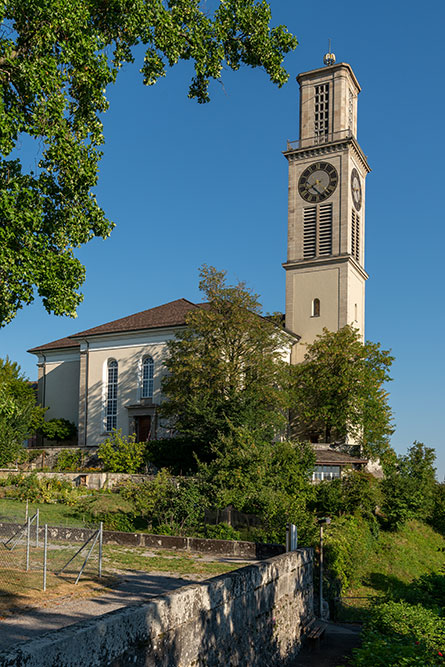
(318, 182)
(356, 189)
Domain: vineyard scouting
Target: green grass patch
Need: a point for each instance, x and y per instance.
(53, 514)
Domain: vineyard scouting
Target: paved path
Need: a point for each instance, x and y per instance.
(335, 647)
(132, 588)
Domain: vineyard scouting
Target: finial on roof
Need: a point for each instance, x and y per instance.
(329, 58)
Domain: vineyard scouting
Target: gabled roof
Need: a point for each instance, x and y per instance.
(168, 315)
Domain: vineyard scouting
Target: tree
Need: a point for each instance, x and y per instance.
(226, 368)
(57, 58)
(338, 391)
(120, 453)
(264, 478)
(19, 414)
(409, 487)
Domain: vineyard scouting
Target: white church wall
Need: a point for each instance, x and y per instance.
(61, 391)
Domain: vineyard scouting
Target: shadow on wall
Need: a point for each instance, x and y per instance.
(252, 616)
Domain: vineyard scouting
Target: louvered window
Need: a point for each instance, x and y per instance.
(147, 377)
(310, 232)
(325, 230)
(317, 231)
(355, 235)
(112, 395)
(321, 112)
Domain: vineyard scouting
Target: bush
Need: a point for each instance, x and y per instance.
(69, 460)
(176, 454)
(60, 430)
(116, 512)
(402, 634)
(30, 487)
(222, 531)
(356, 492)
(120, 453)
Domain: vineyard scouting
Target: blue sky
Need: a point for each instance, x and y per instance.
(188, 184)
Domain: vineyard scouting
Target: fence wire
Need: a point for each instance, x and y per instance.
(22, 557)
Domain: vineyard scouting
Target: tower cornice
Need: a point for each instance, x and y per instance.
(296, 152)
(323, 71)
(326, 261)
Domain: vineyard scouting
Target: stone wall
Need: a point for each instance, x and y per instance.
(235, 548)
(251, 617)
(91, 480)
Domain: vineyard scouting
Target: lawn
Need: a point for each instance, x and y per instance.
(58, 514)
(402, 556)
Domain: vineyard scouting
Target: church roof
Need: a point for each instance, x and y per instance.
(168, 315)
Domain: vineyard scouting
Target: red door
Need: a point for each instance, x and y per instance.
(143, 428)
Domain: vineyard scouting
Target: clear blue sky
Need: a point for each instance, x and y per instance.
(188, 184)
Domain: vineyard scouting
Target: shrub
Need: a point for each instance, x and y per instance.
(69, 460)
(120, 453)
(116, 512)
(176, 454)
(60, 430)
(222, 531)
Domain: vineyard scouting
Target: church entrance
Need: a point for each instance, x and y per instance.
(143, 428)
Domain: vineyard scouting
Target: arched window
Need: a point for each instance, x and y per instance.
(316, 308)
(147, 377)
(112, 395)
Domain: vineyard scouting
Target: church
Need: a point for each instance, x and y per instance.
(110, 376)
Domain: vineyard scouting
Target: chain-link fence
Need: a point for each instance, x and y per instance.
(36, 557)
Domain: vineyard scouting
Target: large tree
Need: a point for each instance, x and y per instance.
(57, 58)
(226, 368)
(19, 414)
(339, 391)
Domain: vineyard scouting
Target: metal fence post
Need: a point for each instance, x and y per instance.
(37, 528)
(45, 550)
(26, 511)
(101, 530)
(28, 535)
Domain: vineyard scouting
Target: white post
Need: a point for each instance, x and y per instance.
(100, 547)
(26, 511)
(37, 528)
(28, 536)
(45, 551)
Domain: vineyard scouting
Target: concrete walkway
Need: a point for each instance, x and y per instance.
(335, 648)
(132, 587)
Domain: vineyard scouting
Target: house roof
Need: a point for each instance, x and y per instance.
(332, 457)
(168, 315)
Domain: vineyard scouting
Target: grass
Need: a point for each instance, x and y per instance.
(400, 557)
(52, 514)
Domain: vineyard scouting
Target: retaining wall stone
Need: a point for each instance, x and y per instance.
(251, 617)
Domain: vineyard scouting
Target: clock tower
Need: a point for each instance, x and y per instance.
(325, 275)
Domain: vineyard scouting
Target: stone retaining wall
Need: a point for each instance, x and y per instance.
(90, 480)
(251, 617)
(234, 548)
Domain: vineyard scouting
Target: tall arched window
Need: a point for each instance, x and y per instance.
(147, 377)
(316, 308)
(112, 395)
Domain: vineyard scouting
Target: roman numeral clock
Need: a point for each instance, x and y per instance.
(325, 275)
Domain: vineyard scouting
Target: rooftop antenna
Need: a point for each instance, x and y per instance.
(329, 58)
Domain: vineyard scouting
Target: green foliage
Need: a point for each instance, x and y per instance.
(402, 634)
(69, 460)
(169, 506)
(30, 487)
(355, 492)
(120, 453)
(438, 513)
(177, 454)
(58, 429)
(112, 509)
(409, 486)
(226, 367)
(56, 60)
(270, 480)
(19, 414)
(349, 540)
(222, 531)
(339, 390)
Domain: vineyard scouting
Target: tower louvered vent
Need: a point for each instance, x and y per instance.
(309, 232)
(325, 230)
(355, 235)
(321, 115)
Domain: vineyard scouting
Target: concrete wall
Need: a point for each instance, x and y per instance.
(231, 548)
(249, 617)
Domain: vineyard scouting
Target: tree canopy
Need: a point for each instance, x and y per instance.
(57, 58)
(19, 414)
(338, 391)
(226, 368)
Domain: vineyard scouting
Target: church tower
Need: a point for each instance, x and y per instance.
(325, 275)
